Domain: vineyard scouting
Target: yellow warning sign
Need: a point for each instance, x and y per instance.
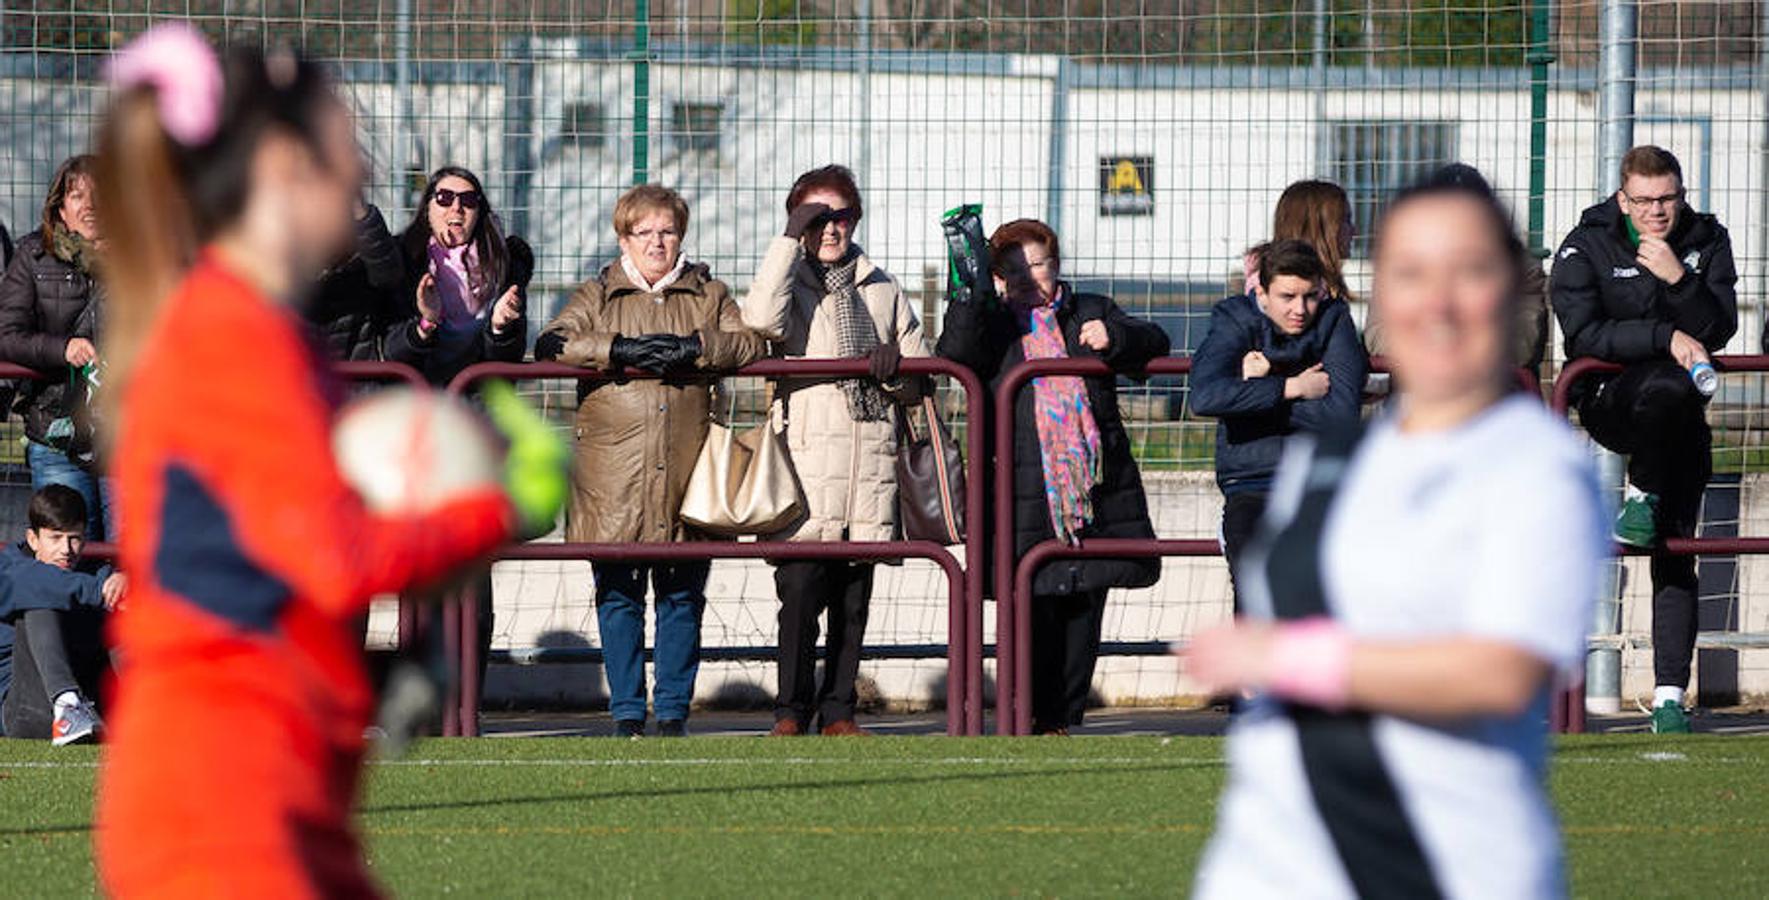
(1126, 185)
(1125, 178)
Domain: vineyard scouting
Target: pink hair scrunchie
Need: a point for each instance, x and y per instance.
(178, 63)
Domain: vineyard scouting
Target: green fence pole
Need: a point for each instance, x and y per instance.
(1540, 55)
(641, 57)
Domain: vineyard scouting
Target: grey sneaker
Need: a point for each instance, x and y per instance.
(409, 702)
(75, 724)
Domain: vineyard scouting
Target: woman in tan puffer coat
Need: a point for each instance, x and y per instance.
(817, 295)
(637, 441)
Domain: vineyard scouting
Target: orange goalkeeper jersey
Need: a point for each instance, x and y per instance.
(249, 557)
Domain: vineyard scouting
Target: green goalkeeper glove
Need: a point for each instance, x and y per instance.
(536, 468)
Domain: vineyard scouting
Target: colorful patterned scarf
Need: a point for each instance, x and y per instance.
(1068, 437)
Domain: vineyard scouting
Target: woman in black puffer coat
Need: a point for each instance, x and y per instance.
(1073, 471)
(464, 301)
(50, 307)
(359, 300)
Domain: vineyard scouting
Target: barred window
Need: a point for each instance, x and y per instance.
(585, 125)
(695, 127)
(1373, 160)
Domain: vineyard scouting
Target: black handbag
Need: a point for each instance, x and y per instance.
(930, 481)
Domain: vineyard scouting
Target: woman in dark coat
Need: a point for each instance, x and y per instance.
(467, 282)
(363, 296)
(465, 302)
(1073, 473)
(50, 304)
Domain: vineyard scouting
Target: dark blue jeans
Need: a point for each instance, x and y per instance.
(51, 466)
(679, 591)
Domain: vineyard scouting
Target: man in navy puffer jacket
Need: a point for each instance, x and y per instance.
(1282, 359)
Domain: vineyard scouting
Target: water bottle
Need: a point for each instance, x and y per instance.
(1706, 379)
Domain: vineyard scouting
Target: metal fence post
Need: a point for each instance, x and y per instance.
(1059, 145)
(402, 90)
(1763, 169)
(1617, 31)
(641, 57)
(519, 120)
(1540, 55)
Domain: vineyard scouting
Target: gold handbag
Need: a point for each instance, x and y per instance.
(743, 483)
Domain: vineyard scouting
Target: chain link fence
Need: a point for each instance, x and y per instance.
(1155, 138)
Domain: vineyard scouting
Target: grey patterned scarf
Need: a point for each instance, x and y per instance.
(855, 336)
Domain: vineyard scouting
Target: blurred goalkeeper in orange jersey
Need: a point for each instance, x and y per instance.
(238, 734)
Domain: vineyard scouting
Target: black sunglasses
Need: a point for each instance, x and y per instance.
(846, 216)
(445, 198)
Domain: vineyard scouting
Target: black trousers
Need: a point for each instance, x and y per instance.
(55, 651)
(1652, 412)
(1065, 647)
(807, 588)
(1241, 512)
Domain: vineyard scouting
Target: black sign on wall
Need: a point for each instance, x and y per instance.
(1126, 185)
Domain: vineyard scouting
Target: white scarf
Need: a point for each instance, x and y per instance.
(669, 278)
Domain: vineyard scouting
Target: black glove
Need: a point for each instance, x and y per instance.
(884, 361)
(624, 352)
(802, 218)
(671, 352)
(967, 255)
(549, 346)
(521, 265)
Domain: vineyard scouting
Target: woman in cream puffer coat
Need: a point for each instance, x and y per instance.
(817, 295)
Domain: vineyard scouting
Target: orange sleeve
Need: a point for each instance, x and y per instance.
(258, 442)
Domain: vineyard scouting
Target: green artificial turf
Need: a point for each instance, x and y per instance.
(917, 816)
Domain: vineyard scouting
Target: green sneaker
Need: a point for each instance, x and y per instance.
(1637, 524)
(1669, 718)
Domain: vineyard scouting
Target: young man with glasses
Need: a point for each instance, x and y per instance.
(1647, 282)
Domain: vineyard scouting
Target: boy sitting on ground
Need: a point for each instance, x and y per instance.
(56, 609)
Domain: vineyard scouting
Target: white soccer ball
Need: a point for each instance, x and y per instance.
(410, 451)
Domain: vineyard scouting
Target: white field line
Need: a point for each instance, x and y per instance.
(697, 762)
(1645, 758)
(815, 761)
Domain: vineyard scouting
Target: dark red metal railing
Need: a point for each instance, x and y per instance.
(964, 706)
(1567, 712)
(1013, 643)
(378, 372)
(366, 372)
(1013, 601)
(1013, 577)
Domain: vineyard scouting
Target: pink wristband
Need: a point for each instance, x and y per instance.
(1311, 663)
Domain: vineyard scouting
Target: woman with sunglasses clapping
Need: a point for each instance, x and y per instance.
(469, 290)
(468, 282)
